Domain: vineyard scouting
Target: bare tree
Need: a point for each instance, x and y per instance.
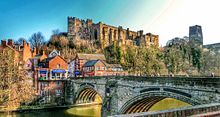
(37, 41)
(56, 32)
(15, 86)
(20, 41)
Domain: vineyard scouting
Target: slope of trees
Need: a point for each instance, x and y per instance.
(69, 47)
(185, 58)
(144, 60)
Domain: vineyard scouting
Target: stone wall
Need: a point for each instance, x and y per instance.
(120, 92)
(106, 34)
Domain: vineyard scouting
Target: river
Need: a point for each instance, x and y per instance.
(92, 110)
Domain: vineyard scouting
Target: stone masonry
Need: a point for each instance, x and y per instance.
(119, 93)
(107, 35)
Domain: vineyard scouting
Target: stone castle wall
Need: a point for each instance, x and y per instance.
(106, 34)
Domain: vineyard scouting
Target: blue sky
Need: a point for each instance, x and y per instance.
(167, 18)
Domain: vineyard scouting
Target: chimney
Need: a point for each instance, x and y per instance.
(10, 42)
(3, 42)
(24, 43)
(35, 52)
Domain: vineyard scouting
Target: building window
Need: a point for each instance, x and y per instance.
(58, 75)
(58, 83)
(58, 65)
(103, 68)
(53, 75)
(63, 75)
(96, 34)
(58, 92)
(97, 68)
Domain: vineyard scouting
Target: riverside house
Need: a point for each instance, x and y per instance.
(51, 75)
(81, 59)
(101, 68)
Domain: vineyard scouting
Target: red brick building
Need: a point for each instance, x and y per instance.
(22, 52)
(101, 68)
(94, 68)
(51, 74)
(81, 59)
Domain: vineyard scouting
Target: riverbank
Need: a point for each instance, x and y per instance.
(45, 107)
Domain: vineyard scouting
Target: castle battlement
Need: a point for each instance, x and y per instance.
(107, 34)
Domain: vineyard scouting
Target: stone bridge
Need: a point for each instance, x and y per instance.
(133, 94)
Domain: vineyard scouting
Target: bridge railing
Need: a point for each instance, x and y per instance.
(146, 76)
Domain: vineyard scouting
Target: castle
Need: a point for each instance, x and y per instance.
(107, 35)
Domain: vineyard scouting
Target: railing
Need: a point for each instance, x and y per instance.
(145, 76)
(62, 78)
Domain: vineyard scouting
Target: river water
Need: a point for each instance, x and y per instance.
(92, 111)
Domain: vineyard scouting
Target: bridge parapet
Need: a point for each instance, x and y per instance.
(121, 93)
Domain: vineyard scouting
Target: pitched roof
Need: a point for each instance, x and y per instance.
(91, 56)
(53, 53)
(93, 62)
(90, 63)
(48, 59)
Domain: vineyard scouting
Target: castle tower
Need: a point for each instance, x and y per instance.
(70, 25)
(195, 34)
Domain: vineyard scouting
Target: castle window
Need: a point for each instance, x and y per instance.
(96, 34)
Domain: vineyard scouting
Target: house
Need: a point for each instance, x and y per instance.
(36, 60)
(22, 52)
(51, 75)
(94, 68)
(22, 56)
(101, 68)
(81, 59)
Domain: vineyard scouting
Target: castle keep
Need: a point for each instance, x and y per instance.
(106, 34)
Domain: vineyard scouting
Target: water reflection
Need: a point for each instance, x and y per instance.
(89, 111)
(168, 103)
(92, 110)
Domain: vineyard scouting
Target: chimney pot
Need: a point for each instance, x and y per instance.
(3, 43)
(10, 42)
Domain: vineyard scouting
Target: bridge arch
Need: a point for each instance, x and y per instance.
(144, 101)
(87, 94)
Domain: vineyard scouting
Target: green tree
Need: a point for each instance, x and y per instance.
(113, 53)
(144, 60)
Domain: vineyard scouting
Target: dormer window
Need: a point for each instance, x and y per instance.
(58, 65)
